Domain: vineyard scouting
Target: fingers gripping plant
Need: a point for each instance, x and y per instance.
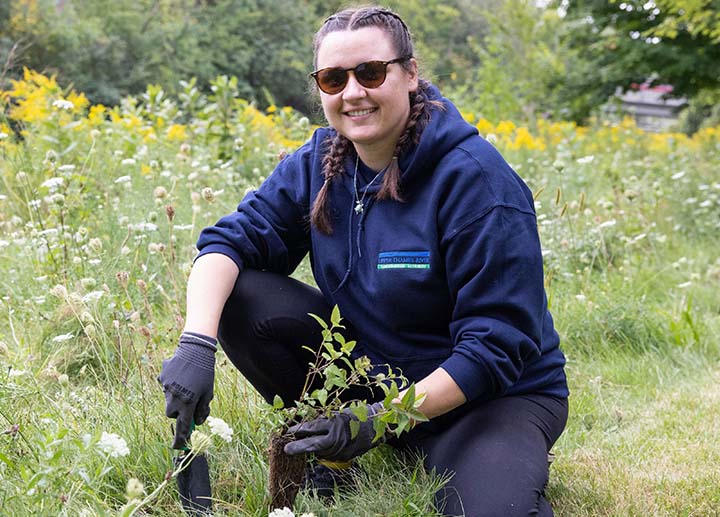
(332, 373)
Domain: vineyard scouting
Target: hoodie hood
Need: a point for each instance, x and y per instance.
(445, 130)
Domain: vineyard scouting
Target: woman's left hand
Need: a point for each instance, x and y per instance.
(331, 438)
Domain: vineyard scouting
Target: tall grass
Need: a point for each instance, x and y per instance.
(100, 210)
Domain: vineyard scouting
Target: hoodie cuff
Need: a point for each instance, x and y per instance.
(223, 249)
(472, 378)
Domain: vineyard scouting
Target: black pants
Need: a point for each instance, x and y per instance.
(495, 451)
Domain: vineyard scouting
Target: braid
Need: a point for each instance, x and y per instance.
(417, 119)
(332, 166)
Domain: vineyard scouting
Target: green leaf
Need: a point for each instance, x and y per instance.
(321, 395)
(340, 339)
(278, 402)
(409, 398)
(6, 460)
(335, 316)
(379, 427)
(360, 412)
(354, 428)
(319, 320)
(348, 346)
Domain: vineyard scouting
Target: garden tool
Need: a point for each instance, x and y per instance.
(193, 481)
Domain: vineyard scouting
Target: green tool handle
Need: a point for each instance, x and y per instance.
(192, 428)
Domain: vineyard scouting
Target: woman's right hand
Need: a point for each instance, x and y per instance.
(187, 379)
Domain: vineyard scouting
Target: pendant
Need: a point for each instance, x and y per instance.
(358, 207)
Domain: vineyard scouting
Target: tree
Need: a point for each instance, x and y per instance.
(611, 45)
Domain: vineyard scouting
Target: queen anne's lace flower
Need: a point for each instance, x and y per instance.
(220, 428)
(282, 512)
(112, 445)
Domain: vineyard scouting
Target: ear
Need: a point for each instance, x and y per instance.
(412, 75)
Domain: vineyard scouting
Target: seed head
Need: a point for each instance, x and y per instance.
(122, 278)
(208, 194)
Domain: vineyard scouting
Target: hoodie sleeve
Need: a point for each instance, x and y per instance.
(495, 275)
(270, 229)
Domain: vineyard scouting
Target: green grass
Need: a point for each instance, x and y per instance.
(91, 302)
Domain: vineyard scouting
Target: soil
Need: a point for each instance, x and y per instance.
(286, 473)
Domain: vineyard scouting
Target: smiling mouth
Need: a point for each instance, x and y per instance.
(360, 113)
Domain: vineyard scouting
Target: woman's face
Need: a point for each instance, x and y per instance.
(371, 118)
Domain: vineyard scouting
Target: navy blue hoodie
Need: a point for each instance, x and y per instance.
(451, 277)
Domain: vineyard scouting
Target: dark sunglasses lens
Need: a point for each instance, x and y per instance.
(332, 80)
(371, 74)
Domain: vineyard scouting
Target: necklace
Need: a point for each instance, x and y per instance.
(360, 201)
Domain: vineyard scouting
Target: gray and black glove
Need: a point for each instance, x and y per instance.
(187, 380)
(330, 438)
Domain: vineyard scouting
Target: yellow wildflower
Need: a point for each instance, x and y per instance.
(96, 115)
(485, 127)
(505, 127)
(176, 132)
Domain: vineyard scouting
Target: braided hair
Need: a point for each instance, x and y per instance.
(339, 147)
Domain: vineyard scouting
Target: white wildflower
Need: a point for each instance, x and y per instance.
(580, 297)
(220, 428)
(63, 104)
(684, 285)
(128, 161)
(677, 175)
(586, 159)
(311, 514)
(3, 197)
(282, 512)
(66, 168)
(53, 183)
(607, 224)
(113, 445)
(92, 296)
(3, 135)
(123, 179)
(62, 338)
(17, 373)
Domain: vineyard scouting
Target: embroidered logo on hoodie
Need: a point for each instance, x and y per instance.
(404, 260)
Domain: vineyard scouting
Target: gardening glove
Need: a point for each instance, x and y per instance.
(187, 380)
(330, 438)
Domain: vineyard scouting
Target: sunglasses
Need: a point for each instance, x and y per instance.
(370, 74)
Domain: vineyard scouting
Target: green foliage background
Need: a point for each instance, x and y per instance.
(499, 59)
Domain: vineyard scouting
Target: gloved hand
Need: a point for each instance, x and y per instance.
(330, 438)
(187, 380)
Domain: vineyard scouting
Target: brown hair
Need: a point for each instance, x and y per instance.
(339, 147)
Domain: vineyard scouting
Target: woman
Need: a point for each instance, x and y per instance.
(426, 240)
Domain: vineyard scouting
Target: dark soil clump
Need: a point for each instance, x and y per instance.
(286, 473)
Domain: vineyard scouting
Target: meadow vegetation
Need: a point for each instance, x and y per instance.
(100, 209)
